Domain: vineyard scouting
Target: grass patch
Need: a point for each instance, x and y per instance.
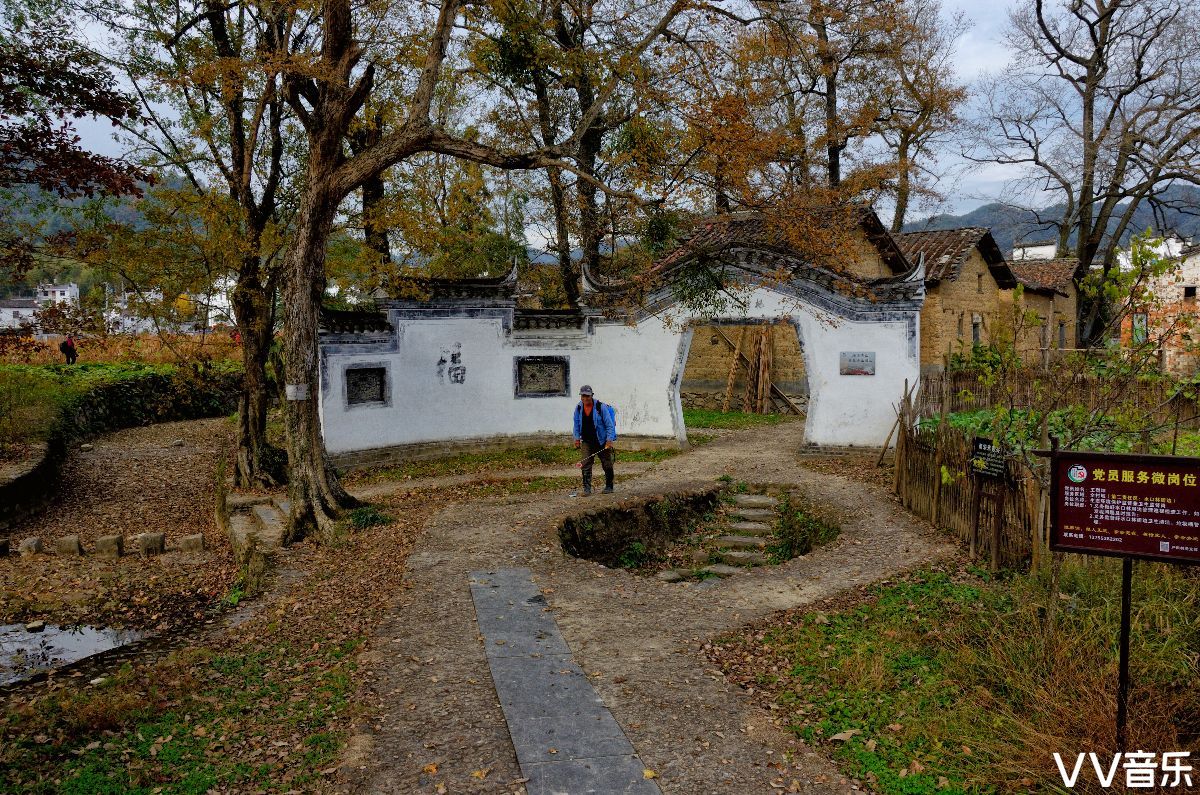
(708, 418)
(959, 683)
(523, 458)
(367, 516)
(799, 530)
(167, 729)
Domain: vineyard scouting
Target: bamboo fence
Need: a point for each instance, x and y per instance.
(932, 480)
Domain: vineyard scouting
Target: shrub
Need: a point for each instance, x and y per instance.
(367, 516)
(38, 402)
(800, 530)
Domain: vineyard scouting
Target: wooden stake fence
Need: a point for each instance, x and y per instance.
(932, 481)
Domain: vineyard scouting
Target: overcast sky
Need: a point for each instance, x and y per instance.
(979, 51)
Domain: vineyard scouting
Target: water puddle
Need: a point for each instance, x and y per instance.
(24, 653)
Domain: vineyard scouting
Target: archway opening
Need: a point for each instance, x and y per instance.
(741, 373)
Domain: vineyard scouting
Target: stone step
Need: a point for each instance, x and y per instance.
(272, 525)
(751, 529)
(739, 557)
(283, 504)
(754, 501)
(741, 542)
(754, 514)
(237, 502)
(243, 535)
(721, 570)
(671, 575)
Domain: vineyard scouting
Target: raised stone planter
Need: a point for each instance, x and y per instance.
(31, 546)
(110, 546)
(149, 543)
(69, 545)
(139, 399)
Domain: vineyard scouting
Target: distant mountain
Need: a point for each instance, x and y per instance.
(1009, 224)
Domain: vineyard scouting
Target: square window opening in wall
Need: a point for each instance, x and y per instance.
(541, 376)
(367, 385)
(1189, 293)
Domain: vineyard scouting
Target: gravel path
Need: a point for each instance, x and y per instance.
(437, 725)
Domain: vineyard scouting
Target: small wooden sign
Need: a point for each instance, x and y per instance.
(857, 363)
(987, 459)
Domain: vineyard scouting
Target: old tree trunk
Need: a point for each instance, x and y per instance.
(314, 491)
(253, 305)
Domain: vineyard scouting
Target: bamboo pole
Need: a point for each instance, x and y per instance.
(748, 394)
(733, 370)
(775, 390)
(939, 438)
(764, 373)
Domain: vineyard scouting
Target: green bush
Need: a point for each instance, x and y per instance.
(38, 402)
(635, 556)
(800, 530)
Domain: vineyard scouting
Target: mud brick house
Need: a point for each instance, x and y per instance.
(1168, 320)
(966, 277)
(1049, 308)
(467, 367)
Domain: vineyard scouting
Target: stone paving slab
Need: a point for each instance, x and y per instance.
(605, 775)
(568, 737)
(741, 542)
(755, 514)
(751, 529)
(565, 738)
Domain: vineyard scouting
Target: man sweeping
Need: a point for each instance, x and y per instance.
(595, 432)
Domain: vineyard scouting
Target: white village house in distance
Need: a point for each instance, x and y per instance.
(18, 312)
(468, 365)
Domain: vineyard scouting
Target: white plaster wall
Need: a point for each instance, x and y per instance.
(633, 368)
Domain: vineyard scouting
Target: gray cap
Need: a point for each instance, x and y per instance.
(585, 390)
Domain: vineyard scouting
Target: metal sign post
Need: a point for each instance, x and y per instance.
(1123, 670)
(1129, 506)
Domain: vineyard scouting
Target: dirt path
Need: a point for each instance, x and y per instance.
(438, 726)
(377, 489)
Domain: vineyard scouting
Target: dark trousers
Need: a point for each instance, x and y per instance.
(606, 461)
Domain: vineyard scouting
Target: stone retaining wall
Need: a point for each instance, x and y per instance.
(604, 534)
(28, 484)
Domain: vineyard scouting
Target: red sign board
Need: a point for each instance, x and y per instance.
(1129, 505)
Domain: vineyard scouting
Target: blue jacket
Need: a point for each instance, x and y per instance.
(605, 419)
